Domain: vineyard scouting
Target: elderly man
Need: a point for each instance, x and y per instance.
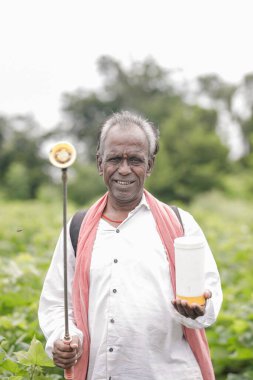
(125, 321)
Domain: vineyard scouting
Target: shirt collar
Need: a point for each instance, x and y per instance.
(143, 204)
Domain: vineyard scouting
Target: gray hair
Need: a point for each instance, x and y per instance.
(125, 119)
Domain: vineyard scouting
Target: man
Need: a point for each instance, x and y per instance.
(124, 319)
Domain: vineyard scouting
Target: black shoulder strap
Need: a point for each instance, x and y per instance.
(74, 227)
(176, 211)
(77, 219)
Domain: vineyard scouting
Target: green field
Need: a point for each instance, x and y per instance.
(28, 233)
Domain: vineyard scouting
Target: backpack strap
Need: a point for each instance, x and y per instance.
(77, 219)
(176, 211)
(75, 226)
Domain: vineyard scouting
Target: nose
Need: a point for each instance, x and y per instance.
(124, 167)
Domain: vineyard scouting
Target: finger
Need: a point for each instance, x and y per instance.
(182, 308)
(63, 360)
(197, 311)
(67, 346)
(207, 294)
(75, 342)
(190, 311)
(65, 363)
(64, 355)
(179, 307)
(62, 347)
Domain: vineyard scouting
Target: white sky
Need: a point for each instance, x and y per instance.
(49, 47)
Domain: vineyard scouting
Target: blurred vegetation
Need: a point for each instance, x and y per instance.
(197, 121)
(196, 168)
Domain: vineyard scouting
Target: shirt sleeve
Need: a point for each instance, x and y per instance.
(51, 304)
(212, 280)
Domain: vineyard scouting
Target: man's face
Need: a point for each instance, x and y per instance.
(125, 163)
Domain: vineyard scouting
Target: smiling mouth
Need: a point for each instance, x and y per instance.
(124, 183)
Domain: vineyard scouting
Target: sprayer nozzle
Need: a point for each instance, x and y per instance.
(62, 155)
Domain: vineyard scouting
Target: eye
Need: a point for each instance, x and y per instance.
(135, 161)
(114, 160)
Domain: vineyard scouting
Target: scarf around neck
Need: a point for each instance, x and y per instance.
(168, 228)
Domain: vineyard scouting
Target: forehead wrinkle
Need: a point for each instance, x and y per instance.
(125, 152)
(118, 130)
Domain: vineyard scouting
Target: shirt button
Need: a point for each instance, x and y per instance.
(115, 260)
(117, 230)
(112, 320)
(111, 349)
(114, 290)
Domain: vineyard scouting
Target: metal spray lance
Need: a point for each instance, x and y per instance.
(62, 155)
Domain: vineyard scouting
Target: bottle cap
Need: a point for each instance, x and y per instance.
(189, 242)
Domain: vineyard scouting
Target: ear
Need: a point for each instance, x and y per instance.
(99, 164)
(151, 162)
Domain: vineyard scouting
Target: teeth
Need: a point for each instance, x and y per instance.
(124, 182)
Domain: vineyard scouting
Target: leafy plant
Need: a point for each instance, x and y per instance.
(26, 365)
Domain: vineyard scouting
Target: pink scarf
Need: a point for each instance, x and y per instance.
(169, 228)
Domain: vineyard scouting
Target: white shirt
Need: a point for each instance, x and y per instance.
(135, 331)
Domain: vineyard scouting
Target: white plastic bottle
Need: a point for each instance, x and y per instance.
(189, 262)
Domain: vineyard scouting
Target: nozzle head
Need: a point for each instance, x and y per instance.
(62, 154)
